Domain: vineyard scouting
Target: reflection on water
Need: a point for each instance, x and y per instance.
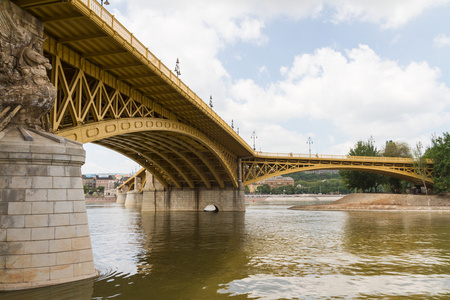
(268, 252)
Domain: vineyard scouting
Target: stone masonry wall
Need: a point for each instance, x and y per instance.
(44, 232)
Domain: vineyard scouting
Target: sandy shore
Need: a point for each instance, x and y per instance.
(383, 202)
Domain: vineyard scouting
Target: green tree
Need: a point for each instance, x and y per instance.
(421, 164)
(396, 149)
(440, 154)
(362, 181)
(263, 189)
(246, 190)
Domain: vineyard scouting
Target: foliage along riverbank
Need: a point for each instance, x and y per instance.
(383, 202)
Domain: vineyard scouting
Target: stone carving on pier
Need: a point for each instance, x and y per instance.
(26, 93)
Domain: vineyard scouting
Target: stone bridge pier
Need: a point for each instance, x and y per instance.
(154, 197)
(44, 232)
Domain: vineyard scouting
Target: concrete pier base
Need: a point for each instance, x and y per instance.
(44, 232)
(133, 198)
(121, 197)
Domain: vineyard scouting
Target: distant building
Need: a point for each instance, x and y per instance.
(273, 182)
(94, 181)
(278, 181)
(89, 181)
(106, 181)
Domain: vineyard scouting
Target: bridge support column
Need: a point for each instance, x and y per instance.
(121, 197)
(133, 198)
(44, 232)
(156, 198)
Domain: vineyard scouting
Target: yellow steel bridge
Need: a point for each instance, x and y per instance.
(114, 92)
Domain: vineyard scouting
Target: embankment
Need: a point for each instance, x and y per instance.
(383, 202)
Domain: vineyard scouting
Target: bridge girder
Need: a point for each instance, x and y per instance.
(261, 167)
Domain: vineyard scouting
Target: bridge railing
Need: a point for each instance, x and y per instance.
(114, 24)
(334, 157)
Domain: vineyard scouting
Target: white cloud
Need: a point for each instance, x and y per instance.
(358, 92)
(387, 13)
(441, 40)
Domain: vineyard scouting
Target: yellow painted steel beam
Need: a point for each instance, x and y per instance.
(266, 166)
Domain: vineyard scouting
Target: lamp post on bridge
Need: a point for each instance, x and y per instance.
(177, 68)
(106, 2)
(309, 142)
(371, 142)
(254, 137)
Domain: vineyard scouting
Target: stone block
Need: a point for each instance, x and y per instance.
(42, 182)
(19, 208)
(72, 171)
(61, 272)
(83, 230)
(60, 245)
(76, 182)
(37, 274)
(59, 219)
(3, 207)
(17, 221)
(65, 258)
(11, 170)
(2, 235)
(51, 149)
(18, 261)
(12, 248)
(5, 182)
(79, 206)
(15, 148)
(41, 207)
(36, 195)
(63, 207)
(11, 276)
(56, 171)
(13, 195)
(76, 151)
(82, 269)
(62, 157)
(61, 182)
(18, 234)
(78, 219)
(65, 232)
(75, 194)
(85, 255)
(36, 221)
(81, 243)
(2, 260)
(43, 260)
(35, 247)
(20, 156)
(41, 157)
(35, 170)
(57, 194)
(45, 233)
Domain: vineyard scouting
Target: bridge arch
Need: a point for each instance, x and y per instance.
(175, 153)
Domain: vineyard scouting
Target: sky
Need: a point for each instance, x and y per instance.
(335, 71)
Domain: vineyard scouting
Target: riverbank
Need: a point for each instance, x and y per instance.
(383, 202)
(304, 199)
(100, 199)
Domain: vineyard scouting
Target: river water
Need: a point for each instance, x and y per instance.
(268, 252)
